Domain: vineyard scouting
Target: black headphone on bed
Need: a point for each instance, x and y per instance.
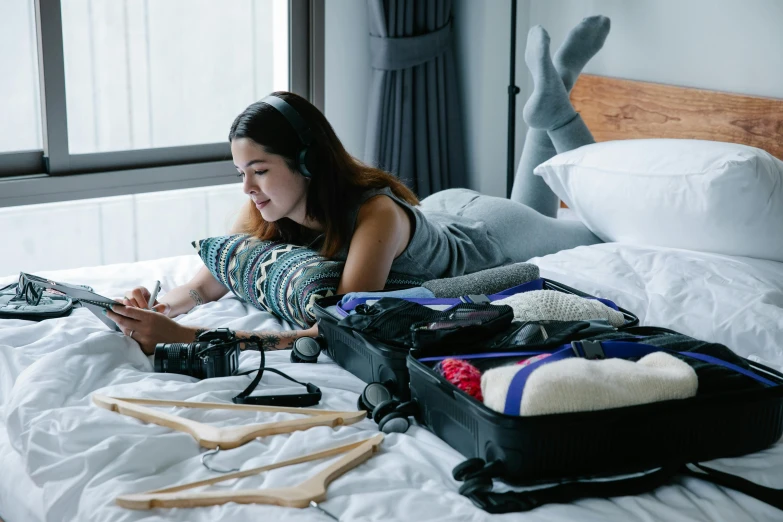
(307, 349)
(300, 127)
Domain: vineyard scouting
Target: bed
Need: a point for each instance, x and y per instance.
(65, 459)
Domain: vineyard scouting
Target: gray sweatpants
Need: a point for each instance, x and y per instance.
(523, 231)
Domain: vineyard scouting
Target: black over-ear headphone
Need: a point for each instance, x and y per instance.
(300, 127)
(307, 349)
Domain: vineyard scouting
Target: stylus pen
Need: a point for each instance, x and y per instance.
(154, 294)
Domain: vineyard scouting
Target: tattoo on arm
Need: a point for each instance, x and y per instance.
(196, 297)
(272, 340)
(269, 342)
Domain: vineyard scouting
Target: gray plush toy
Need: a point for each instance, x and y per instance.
(490, 281)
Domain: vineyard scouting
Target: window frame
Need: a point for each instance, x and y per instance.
(54, 174)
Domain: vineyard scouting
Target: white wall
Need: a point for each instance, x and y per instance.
(347, 71)
(724, 45)
(482, 31)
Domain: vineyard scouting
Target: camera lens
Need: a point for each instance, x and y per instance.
(178, 358)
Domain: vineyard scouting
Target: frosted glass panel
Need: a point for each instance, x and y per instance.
(120, 229)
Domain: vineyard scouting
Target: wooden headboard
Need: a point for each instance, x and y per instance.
(617, 109)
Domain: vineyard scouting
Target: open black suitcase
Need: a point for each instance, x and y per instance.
(671, 437)
(569, 449)
(550, 447)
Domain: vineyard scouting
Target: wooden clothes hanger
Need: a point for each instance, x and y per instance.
(228, 437)
(301, 496)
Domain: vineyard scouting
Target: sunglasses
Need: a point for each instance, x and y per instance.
(29, 290)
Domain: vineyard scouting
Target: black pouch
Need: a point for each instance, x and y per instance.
(15, 306)
(405, 324)
(462, 327)
(517, 335)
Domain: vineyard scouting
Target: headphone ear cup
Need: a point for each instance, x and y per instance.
(302, 162)
(305, 350)
(294, 358)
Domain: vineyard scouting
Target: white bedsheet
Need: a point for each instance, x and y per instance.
(79, 457)
(20, 498)
(737, 301)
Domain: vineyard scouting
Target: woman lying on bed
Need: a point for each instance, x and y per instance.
(349, 211)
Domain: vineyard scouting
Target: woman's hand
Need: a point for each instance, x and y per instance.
(310, 332)
(140, 296)
(148, 327)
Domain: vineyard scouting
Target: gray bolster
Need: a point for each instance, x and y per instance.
(390, 54)
(490, 281)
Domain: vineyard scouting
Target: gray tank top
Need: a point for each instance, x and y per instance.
(442, 244)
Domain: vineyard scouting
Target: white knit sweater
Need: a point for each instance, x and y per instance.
(541, 305)
(578, 384)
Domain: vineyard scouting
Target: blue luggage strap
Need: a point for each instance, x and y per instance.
(536, 284)
(605, 350)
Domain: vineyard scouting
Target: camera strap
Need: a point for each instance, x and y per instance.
(312, 397)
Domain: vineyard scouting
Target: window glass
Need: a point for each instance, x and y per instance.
(20, 101)
(144, 74)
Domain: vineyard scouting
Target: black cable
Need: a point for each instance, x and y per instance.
(311, 398)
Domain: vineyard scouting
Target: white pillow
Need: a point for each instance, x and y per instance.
(698, 195)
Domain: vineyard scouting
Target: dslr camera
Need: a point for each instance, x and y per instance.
(215, 353)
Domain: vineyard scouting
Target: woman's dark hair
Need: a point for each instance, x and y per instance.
(338, 179)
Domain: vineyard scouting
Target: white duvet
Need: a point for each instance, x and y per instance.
(65, 459)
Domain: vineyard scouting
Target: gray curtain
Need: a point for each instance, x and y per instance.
(414, 125)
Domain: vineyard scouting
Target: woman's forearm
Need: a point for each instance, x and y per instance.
(181, 299)
(270, 339)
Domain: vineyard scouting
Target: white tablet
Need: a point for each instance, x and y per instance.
(95, 303)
